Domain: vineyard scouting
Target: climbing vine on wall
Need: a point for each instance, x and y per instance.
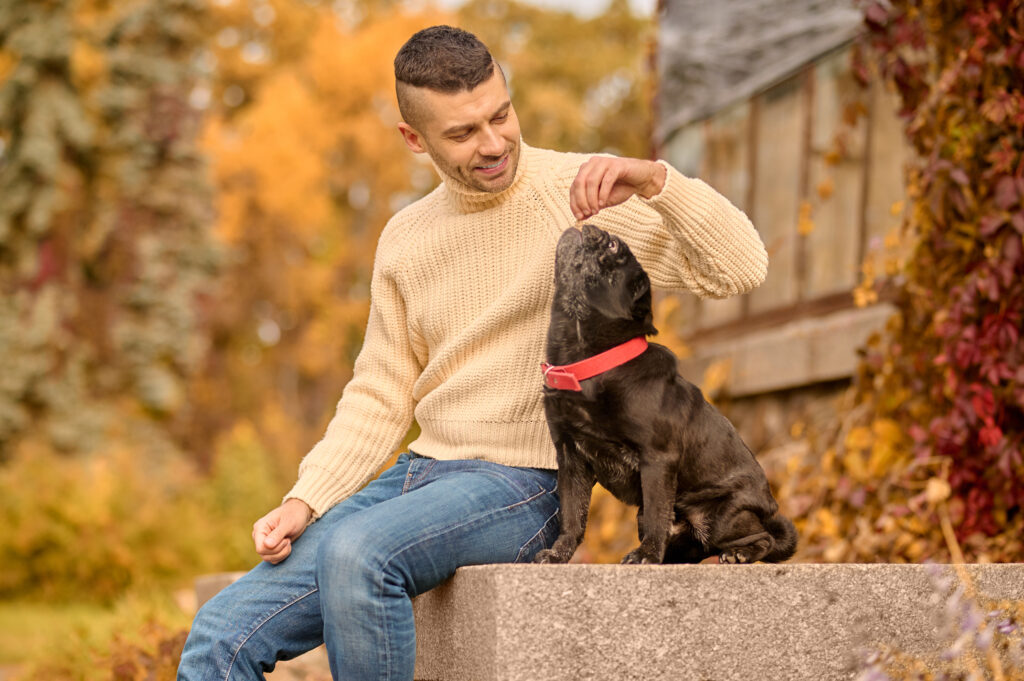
(950, 368)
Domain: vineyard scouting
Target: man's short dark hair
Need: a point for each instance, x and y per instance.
(440, 58)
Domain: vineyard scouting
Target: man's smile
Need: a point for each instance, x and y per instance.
(497, 167)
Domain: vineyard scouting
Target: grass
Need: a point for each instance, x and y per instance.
(33, 631)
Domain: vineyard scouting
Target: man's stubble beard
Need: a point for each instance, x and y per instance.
(459, 173)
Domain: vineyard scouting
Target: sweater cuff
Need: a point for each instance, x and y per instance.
(718, 222)
(319, 489)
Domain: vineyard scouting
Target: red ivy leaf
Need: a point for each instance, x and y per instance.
(990, 224)
(990, 435)
(1006, 194)
(1017, 220)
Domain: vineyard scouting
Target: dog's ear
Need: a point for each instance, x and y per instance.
(641, 287)
(641, 305)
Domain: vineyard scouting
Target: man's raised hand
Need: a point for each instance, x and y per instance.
(605, 181)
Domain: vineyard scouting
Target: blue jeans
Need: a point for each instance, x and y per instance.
(350, 577)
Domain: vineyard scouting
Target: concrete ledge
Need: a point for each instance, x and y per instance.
(702, 622)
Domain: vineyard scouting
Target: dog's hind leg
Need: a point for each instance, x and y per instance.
(748, 539)
(747, 549)
(783, 539)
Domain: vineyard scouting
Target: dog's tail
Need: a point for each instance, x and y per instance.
(784, 535)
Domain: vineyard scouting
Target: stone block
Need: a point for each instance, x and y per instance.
(693, 622)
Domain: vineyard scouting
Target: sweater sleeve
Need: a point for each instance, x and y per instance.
(376, 407)
(689, 236)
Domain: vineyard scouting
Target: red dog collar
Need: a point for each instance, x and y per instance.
(568, 376)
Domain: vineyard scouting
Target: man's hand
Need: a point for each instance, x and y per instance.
(274, 533)
(607, 181)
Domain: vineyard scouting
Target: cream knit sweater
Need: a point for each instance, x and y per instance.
(460, 301)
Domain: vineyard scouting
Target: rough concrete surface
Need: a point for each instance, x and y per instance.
(702, 622)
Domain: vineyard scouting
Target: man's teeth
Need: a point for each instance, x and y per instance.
(493, 166)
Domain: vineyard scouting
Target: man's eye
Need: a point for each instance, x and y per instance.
(500, 119)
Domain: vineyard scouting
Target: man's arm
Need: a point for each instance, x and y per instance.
(371, 419)
(685, 234)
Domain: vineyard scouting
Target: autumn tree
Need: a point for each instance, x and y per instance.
(104, 246)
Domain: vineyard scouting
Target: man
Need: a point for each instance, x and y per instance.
(460, 299)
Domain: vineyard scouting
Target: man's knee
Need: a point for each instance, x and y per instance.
(213, 643)
(350, 558)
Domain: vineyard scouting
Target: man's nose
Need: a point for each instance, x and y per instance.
(491, 144)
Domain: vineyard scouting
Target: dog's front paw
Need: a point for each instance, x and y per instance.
(550, 556)
(639, 557)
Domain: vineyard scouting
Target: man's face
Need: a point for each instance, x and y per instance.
(471, 135)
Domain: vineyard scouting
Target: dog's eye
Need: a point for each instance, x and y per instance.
(613, 246)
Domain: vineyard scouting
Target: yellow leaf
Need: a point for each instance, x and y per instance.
(881, 460)
(715, 377)
(853, 462)
(827, 522)
(858, 439)
(826, 188)
(887, 430)
(805, 225)
(892, 238)
(828, 460)
(896, 209)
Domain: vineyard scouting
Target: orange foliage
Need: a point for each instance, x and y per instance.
(307, 173)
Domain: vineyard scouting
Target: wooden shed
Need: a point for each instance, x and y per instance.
(758, 98)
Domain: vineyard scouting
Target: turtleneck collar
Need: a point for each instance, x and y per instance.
(466, 199)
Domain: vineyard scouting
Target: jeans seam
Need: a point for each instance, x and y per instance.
(540, 493)
(423, 474)
(259, 626)
(538, 533)
(521, 488)
(419, 540)
(382, 613)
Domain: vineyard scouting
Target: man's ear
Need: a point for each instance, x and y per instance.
(413, 139)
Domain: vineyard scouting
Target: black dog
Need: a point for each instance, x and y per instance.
(642, 430)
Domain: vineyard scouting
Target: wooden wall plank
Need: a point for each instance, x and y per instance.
(776, 195)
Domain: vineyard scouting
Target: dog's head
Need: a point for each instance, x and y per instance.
(597, 275)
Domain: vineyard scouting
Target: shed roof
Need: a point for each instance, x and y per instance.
(714, 53)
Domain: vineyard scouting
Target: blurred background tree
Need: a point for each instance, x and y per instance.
(105, 251)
